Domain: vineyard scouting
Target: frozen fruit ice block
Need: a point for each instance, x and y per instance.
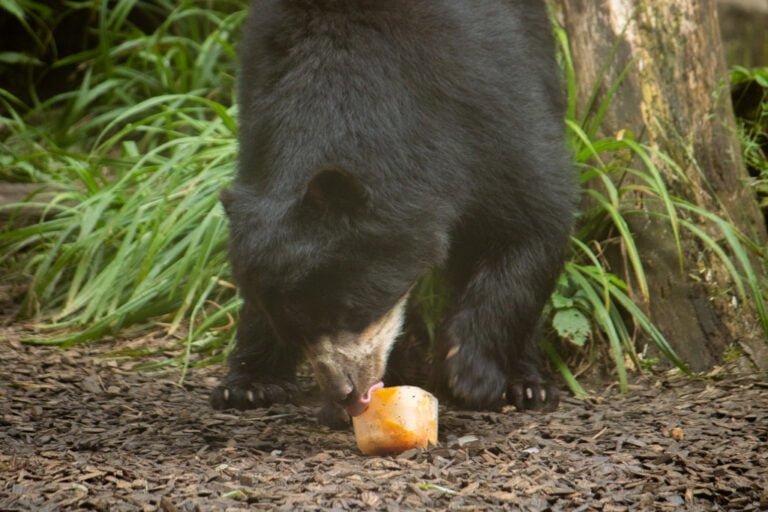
(397, 419)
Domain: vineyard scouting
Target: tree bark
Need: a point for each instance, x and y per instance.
(675, 97)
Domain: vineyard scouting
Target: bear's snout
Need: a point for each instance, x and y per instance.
(348, 367)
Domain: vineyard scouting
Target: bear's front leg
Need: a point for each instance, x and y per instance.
(487, 352)
(262, 367)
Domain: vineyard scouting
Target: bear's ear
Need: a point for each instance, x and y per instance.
(334, 190)
(226, 196)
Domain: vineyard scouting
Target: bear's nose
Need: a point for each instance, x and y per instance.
(351, 397)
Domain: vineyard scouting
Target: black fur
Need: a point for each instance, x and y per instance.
(380, 138)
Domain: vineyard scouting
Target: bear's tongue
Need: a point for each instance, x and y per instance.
(359, 407)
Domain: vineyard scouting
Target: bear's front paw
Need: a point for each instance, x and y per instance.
(245, 394)
(533, 395)
(472, 380)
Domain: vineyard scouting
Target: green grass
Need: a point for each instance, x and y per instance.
(751, 100)
(134, 158)
(132, 155)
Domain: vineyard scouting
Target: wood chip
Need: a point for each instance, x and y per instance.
(81, 432)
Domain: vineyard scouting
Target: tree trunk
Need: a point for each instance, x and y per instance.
(674, 97)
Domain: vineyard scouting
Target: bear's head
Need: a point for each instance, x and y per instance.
(330, 267)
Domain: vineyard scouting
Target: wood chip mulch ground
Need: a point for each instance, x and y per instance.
(81, 431)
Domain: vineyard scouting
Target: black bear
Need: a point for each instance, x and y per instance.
(378, 139)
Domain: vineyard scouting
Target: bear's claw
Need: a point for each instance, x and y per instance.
(237, 394)
(537, 396)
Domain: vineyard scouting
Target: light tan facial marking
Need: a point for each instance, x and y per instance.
(452, 352)
(347, 361)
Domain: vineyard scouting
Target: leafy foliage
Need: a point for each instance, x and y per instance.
(569, 321)
(750, 100)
